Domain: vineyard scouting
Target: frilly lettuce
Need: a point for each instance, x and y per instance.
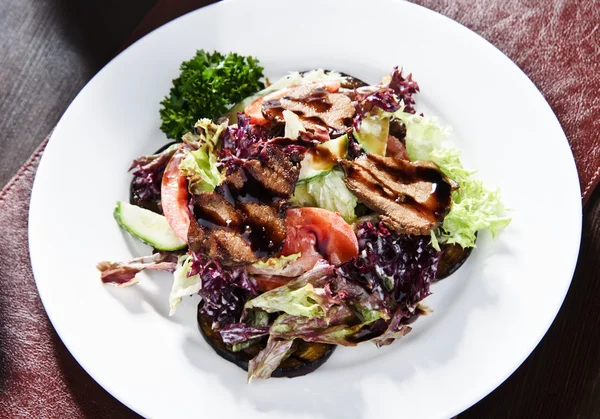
(305, 296)
(328, 192)
(475, 207)
(200, 165)
(183, 285)
(206, 133)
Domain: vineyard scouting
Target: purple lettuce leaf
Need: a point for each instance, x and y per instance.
(342, 327)
(267, 360)
(308, 295)
(398, 268)
(389, 97)
(240, 332)
(396, 328)
(224, 291)
(404, 88)
(339, 327)
(241, 142)
(123, 274)
(366, 306)
(148, 172)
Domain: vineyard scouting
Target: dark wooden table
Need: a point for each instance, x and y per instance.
(50, 49)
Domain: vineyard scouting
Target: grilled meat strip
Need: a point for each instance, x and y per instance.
(315, 106)
(411, 197)
(242, 219)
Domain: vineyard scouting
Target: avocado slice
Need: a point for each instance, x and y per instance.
(373, 133)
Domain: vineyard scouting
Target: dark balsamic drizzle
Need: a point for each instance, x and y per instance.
(433, 209)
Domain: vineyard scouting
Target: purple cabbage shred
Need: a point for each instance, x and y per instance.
(399, 268)
(389, 97)
(148, 173)
(224, 291)
(242, 141)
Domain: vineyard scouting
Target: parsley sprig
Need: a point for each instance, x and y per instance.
(209, 84)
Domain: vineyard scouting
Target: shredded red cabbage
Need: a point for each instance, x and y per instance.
(224, 290)
(399, 90)
(242, 141)
(399, 268)
(148, 172)
(404, 88)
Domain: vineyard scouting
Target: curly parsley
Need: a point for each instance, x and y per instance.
(207, 86)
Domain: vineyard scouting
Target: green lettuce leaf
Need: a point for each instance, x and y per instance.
(200, 165)
(301, 301)
(305, 296)
(183, 285)
(475, 207)
(200, 168)
(328, 192)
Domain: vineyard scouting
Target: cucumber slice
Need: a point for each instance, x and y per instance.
(148, 226)
(309, 175)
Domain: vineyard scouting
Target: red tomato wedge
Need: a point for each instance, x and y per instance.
(270, 282)
(335, 237)
(174, 198)
(254, 110)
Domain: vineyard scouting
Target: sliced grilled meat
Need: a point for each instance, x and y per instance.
(243, 218)
(315, 105)
(266, 226)
(274, 171)
(229, 246)
(213, 207)
(220, 243)
(235, 181)
(411, 197)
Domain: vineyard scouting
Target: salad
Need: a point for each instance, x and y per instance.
(306, 213)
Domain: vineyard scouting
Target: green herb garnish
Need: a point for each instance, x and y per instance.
(209, 84)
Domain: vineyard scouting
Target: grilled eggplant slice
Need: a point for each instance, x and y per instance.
(306, 358)
(453, 257)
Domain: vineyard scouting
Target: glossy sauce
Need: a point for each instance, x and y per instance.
(433, 209)
(262, 239)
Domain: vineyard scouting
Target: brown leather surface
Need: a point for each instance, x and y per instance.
(38, 376)
(556, 43)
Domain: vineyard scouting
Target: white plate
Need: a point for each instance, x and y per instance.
(488, 317)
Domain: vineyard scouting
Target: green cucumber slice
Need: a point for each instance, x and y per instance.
(147, 226)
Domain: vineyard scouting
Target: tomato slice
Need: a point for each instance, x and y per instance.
(174, 198)
(270, 282)
(334, 236)
(254, 109)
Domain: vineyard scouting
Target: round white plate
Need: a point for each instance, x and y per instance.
(487, 318)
